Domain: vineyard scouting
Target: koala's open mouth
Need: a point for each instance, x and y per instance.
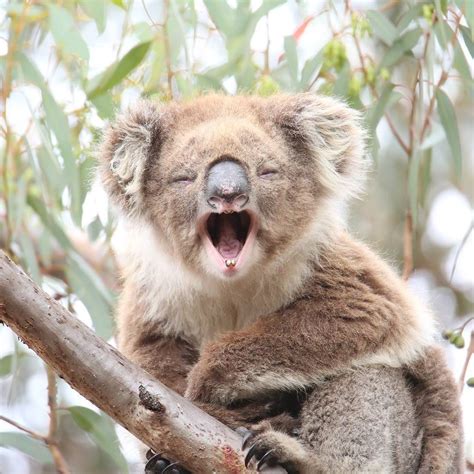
(228, 238)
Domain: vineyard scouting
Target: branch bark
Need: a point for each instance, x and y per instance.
(156, 415)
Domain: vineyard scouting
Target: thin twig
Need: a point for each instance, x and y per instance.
(29, 432)
(408, 245)
(461, 246)
(470, 352)
(166, 43)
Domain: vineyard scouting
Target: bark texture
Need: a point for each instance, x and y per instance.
(156, 415)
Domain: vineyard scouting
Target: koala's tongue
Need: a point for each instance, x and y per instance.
(228, 243)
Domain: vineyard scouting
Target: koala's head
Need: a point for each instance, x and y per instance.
(232, 182)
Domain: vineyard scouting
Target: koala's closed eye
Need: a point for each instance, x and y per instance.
(182, 179)
(267, 172)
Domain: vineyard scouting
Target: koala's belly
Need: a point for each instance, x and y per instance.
(363, 421)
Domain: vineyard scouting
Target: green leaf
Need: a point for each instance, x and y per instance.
(96, 10)
(120, 4)
(58, 123)
(94, 229)
(385, 101)
(436, 136)
(425, 175)
(32, 447)
(461, 64)
(404, 44)
(93, 293)
(104, 105)
(65, 33)
(6, 365)
(466, 34)
(176, 34)
(49, 221)
(291, 56)
(442, 32)
(449, 122)
(222, 15)
(405, 20)
(101, 430)
(29, 257)
(382, 27)
(341, 85)
(467, 7)
(57, 120)
(10, 362)
(118, 71)
(311, 68)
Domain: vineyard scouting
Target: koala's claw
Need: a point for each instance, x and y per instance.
(262, 456)
(156, 464)
(262, 452)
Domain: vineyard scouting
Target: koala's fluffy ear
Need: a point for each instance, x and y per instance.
(127, 147)
(328, 131)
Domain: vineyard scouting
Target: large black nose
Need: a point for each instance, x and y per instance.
(227, 184)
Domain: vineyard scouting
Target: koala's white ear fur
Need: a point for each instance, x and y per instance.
(332, 132)
(125, 151)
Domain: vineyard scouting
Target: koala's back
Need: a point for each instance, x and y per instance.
(363, 421)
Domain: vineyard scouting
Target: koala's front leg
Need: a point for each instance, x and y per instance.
(287, 350)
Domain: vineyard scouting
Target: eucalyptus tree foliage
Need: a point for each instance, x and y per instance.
(67, 67)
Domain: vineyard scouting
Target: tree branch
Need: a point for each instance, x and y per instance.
(156, 415)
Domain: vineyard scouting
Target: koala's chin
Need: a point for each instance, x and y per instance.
(229, 240)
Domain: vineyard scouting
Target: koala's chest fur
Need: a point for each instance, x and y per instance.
(202, 309)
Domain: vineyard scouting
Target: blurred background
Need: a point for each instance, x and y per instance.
(67, 67)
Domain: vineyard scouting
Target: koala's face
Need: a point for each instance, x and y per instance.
(233, 182)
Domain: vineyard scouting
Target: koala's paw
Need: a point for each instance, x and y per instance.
(209, 382)
(156, 464)
(271, 448)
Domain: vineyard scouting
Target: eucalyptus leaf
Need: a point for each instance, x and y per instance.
(341, 86)
(49, 221)
(118, 71)
(58, 123)
(401, 46)
(92, 292)
(6, 365)
(382, 27)
(381, 105)
(29, 257)
(101, 430)
(449, 122)
(311, 68)
(24, 443)
(222, 15)
(436, 136)
(466, 34)
(96, 10)
(291, 56)
(410, 15)
(65, 32)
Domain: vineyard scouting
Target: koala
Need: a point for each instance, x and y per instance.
(243, 290)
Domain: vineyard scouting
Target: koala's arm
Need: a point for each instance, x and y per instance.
(169, 359)
(436, 398)
(353, 310)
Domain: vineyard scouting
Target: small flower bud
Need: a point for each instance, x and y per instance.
(459, 341)
(447, 333)
(470, 382)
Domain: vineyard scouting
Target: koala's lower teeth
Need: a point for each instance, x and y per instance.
(230, 263)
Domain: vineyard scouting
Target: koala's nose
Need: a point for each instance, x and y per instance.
(227, 186)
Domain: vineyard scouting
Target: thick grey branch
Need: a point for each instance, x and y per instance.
(156, 415)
